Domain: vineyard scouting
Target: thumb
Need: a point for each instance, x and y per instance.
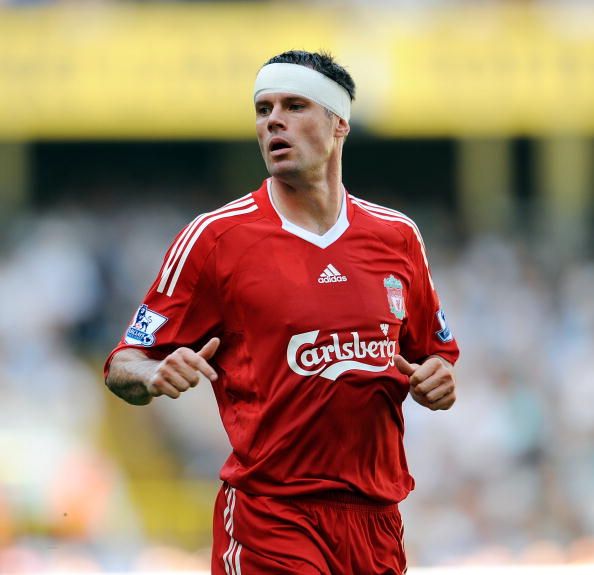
(210, 348)
(404, 367)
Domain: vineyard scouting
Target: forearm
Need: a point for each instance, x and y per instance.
(129, 374)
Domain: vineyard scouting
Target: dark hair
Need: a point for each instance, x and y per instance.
(321, 62)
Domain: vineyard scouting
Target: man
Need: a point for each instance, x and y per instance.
(313, 314)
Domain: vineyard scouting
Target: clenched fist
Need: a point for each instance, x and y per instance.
(181, 370)
(432, 384)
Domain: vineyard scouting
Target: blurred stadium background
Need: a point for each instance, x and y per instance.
(120, 121)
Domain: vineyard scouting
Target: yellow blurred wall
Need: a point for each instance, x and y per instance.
(179, 70)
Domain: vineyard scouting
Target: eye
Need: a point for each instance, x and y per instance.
(262, 110)
(296, 106)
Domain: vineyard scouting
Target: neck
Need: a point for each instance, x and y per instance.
(314, 206)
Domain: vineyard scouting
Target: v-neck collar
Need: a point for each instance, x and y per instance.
(321, 241)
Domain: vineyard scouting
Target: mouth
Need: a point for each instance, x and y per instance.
(278, 147)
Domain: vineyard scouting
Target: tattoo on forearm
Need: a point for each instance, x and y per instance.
(133, 392)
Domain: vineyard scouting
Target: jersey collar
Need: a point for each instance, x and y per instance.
(321, 241)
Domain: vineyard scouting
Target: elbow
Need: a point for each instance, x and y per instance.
(110, 383)
(132, 393)
(140, 400)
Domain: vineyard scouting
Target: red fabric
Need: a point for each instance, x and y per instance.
(307, 391)
(305, 536)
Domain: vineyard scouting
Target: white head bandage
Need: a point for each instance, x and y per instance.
(303, 81)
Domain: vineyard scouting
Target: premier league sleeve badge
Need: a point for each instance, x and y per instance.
(142, 331)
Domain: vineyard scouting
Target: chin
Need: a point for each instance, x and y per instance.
(280, 169)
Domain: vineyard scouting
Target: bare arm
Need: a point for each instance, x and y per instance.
(129, 374)
(137, 379)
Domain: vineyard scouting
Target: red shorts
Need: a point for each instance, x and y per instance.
(331, 534)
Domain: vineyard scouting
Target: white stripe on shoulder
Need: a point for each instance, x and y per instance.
(182, 240)
(196, 235)
(237, 200)
(181, 249)
(387, 211)
(394, 216)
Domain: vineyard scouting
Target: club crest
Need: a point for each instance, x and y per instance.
(147, 322)
(395, 296)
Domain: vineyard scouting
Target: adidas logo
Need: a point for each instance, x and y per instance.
(331, 275)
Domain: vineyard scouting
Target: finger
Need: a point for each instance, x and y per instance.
(419, 398)
(190, 374)
(426, 371)
(153, 390)
(441, 391)
(178, 381)
(197, 365)
(191, 364)
(206, 369)
(210, 348)
(444, 403)
(183, 363)
(161, 387)
(189, 370)
(207, 352)
(403, 366)
(425, 386)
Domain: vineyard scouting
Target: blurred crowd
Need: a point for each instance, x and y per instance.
(511, 469)
(507, 475)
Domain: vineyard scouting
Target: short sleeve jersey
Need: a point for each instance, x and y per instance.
(309, 325)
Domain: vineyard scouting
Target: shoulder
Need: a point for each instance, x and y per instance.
(194, 244)
(206, 229)
(378, 216)
(387, 219)
(209, 226)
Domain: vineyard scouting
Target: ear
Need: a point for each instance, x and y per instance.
(342, 128)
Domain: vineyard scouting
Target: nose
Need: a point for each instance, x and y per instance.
(276, 119)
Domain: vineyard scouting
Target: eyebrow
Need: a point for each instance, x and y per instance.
(288, 98)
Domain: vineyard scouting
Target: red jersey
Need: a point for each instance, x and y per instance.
(309, 326)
